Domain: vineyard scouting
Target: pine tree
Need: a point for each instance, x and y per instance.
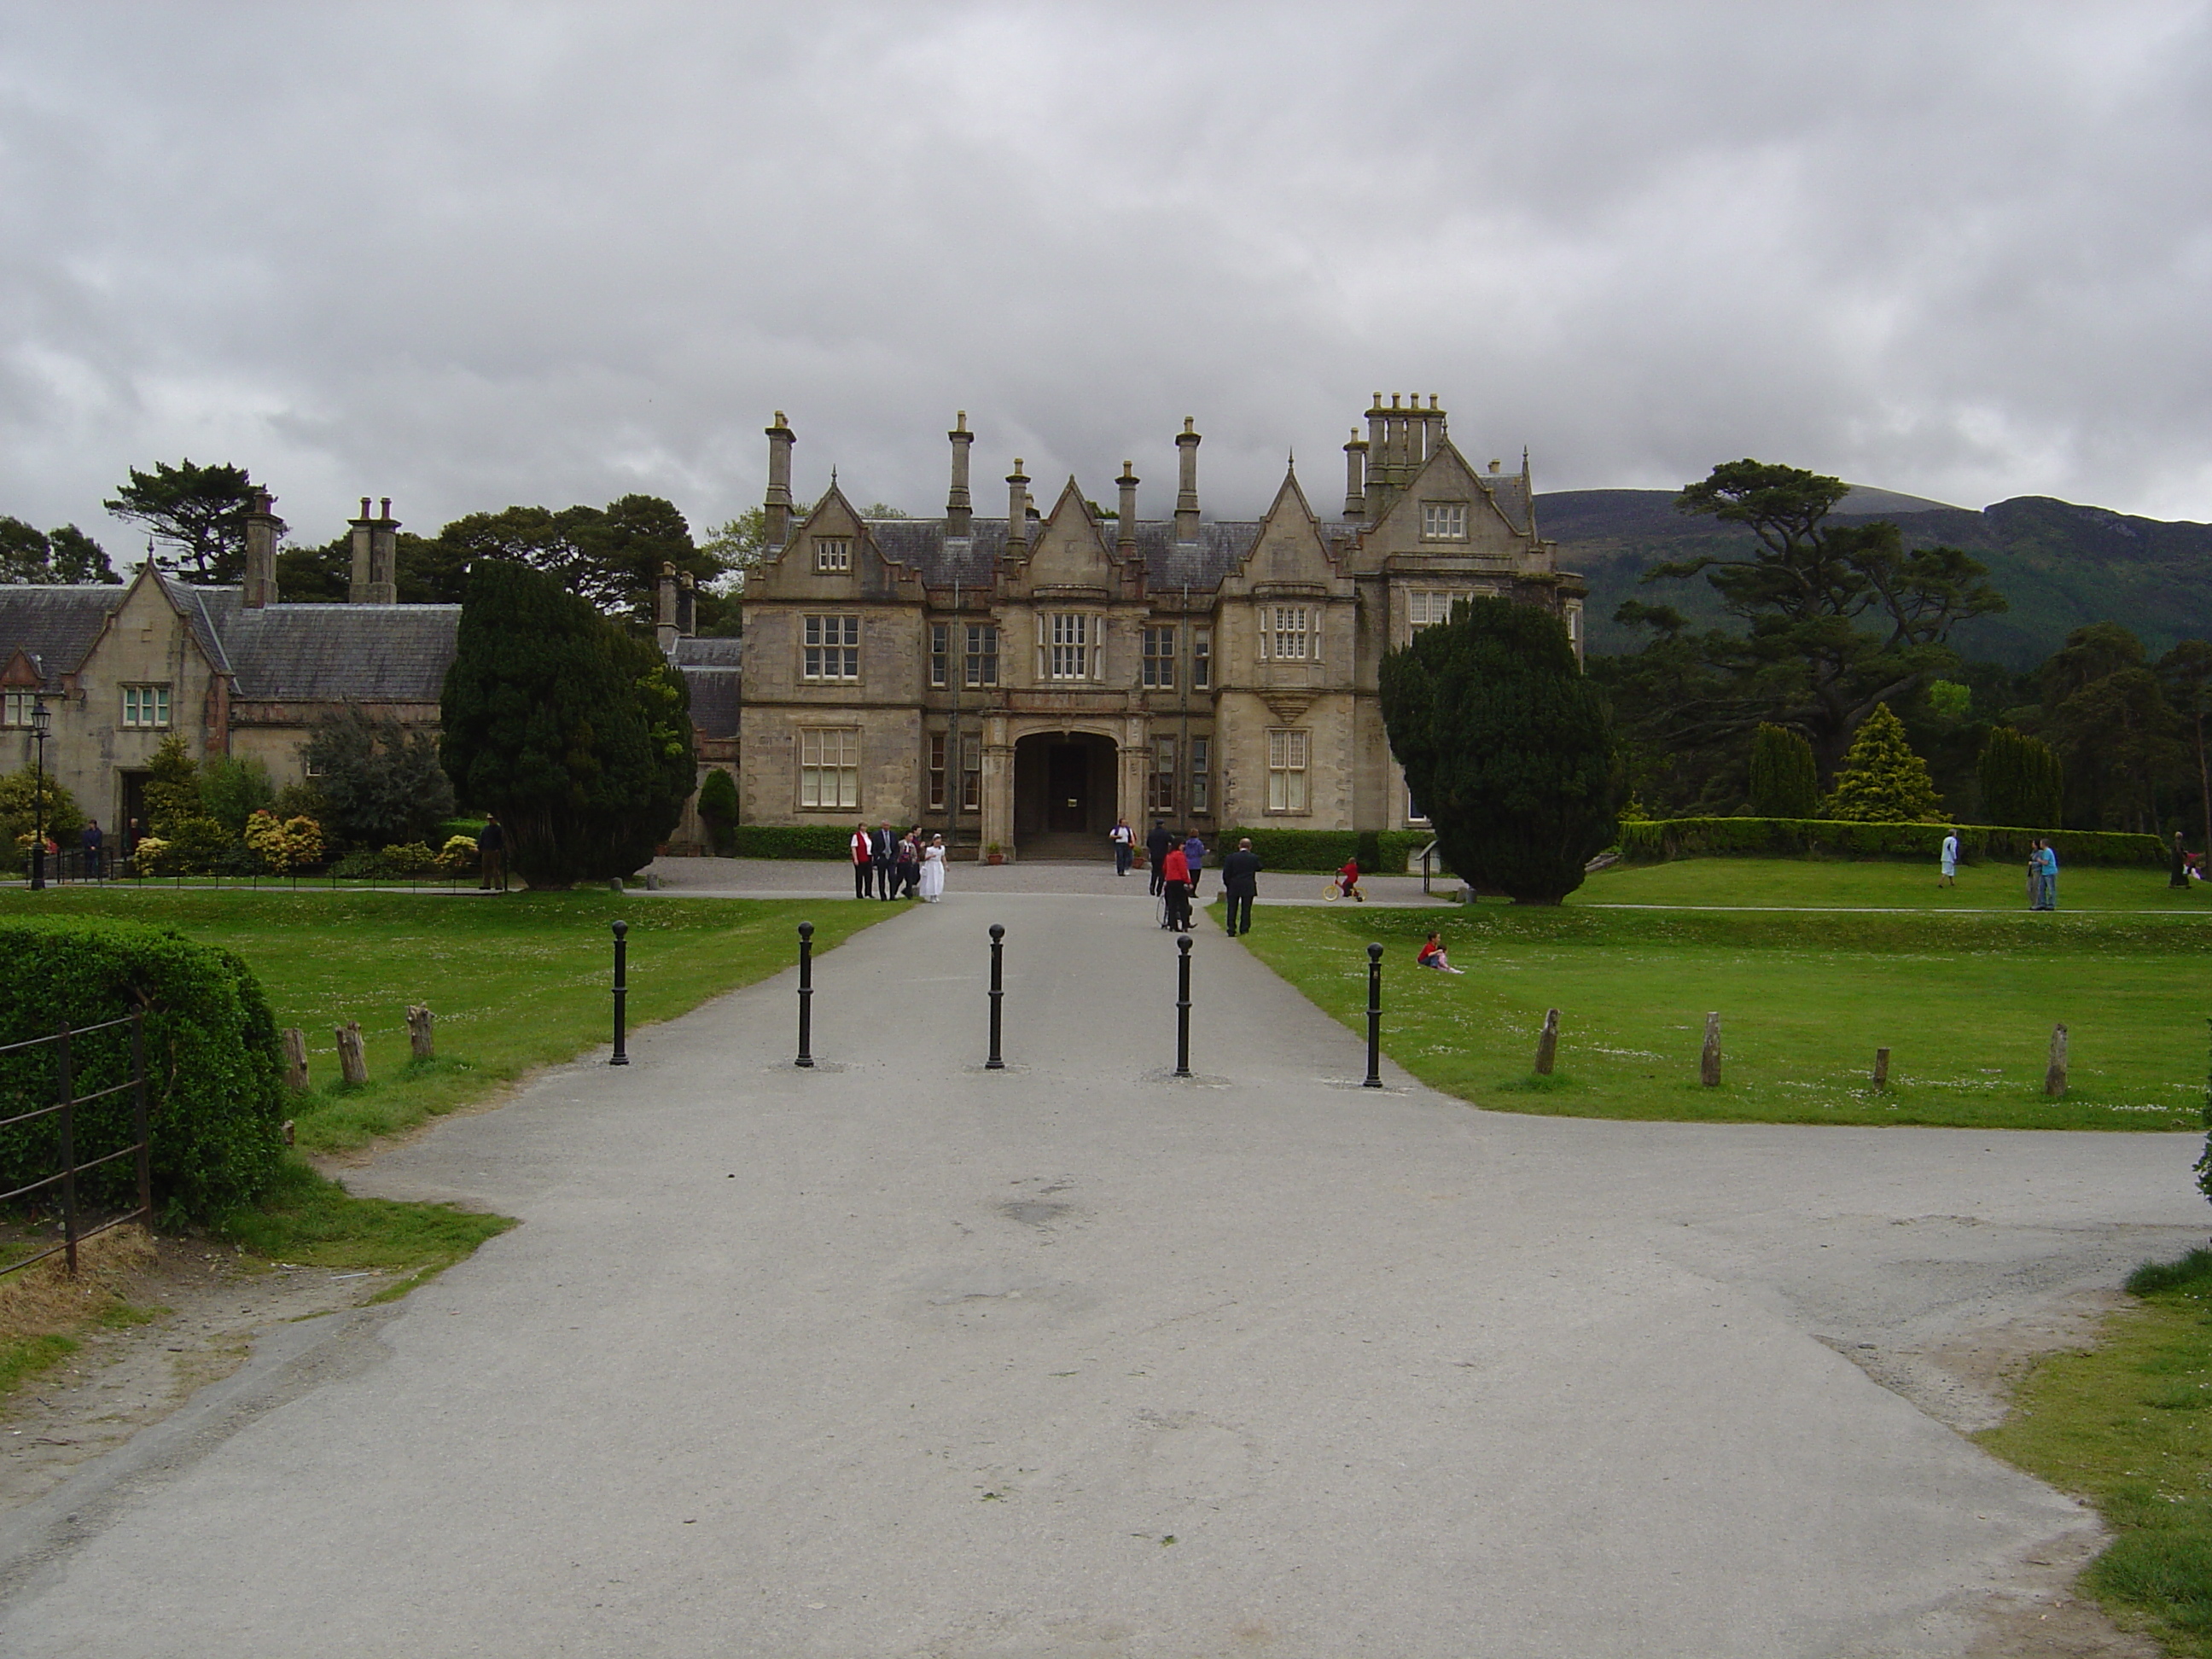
(2023, 783)
(172, 787)
(1785, 782)
(1883, 781)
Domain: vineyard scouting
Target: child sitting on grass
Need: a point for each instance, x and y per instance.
(1432, 955)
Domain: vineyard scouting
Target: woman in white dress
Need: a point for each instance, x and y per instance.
(932, 870)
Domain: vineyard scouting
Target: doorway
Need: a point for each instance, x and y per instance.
(1063, 787)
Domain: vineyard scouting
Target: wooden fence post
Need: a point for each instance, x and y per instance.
(1547, 1043)
(419, 1034)
(295, 1059)
(1881, 1068)
(2054, 1079)
(1708, 1063)
(352, 1066)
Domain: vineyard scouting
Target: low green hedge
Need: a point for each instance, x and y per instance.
(1319, 850)
(214, 1077)
(1656, 839)
(792, 841)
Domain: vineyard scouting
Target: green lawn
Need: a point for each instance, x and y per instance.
(1883, 883)
(1965, 1003)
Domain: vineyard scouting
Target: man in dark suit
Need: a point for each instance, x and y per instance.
(882, 854)
(1240, 881)
(1156, 849)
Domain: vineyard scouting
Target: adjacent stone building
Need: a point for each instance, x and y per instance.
(1020, 682)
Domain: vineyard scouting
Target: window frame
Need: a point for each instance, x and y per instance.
(133, 695)
(1070, 637)
(1160, 781)
(1435, 514)
(1202, 776)
(1201, 659)
(846, 767)
(1159, 657)
(941, 654)
(815, 647)
(832, 557)
(15, 710)
(980, 658)
(1289, 764)
(1275, 634)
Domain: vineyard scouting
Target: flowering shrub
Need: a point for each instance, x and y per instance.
(411, 858)
(459, 856)
(283, 845)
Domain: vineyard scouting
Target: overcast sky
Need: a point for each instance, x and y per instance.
(468, 256)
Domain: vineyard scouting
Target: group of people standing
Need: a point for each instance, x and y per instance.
(1176, 869)
(2042, 870)
(887, 865)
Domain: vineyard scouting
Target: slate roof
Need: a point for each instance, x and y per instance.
(1220, 548)
(709, 668)
(53, 626)
(332, 652)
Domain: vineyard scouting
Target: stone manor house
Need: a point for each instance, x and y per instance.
(1017, 682)
(1021, 681)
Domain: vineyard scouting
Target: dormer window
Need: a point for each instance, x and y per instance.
(832, 557)
(1443, 521)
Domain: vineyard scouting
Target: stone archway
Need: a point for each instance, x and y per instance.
(1066, 793)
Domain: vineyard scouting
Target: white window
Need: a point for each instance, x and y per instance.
(833, 555)
(1070, 646)
(832, 649)
(1414, 813)
(15, 707)
(1159, 658)
(1289, 633)
(1200, 762)
(1425, 608)
(146, 705)
(1443, 521)
(940, 646)
(830, 769)
(1286, 771)
(983, 654)
(1201, 658)
(1160, 797)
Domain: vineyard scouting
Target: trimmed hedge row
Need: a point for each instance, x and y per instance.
(792, 841)
(1384, 853)
(214, 1075)
(1656, 839)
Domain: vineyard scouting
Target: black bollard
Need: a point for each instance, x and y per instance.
(1374, 1018)
(998, 948)
(620, 1056)
(806, 995)
(1182, 1007)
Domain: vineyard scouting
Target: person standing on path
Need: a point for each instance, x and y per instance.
(864, 855)
(1194, 859)
(89, 844)
(883, 856)
(909, 861)
(2179, 877)
(491, 856)
(1950, 876)
(1240, 881)
(2046, 865)
(1156, 849)
(1175, 886)
(1125, 845)
(932, 870)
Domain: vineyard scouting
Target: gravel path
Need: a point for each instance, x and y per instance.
(902, 1358)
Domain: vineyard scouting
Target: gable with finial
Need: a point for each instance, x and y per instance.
(1450, 509)
(832, 558)
(1069, 553)
(1288, 555)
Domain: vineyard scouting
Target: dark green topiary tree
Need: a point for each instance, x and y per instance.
(718, 810)
(1883, 781)
(1505, 744)
(576, 734)
(1785, 780)
(2023, 784)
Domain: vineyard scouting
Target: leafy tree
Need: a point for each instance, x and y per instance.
(2186, 673)
(1839, 618)
(1785, 782)
(198, 511)
(1506, 745)
(233, 791)
(24, 804)
(381, 783)
(1883, 781)
(324, 574)
(576, 734)
(52, 557)
(2023, 783)
(2105, 713)
(611, 556)
(172, 786)
(717, 808)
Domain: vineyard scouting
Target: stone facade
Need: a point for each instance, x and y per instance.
(1011, 680)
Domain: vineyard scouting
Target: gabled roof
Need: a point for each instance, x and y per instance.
(334, 653)
(54, 627)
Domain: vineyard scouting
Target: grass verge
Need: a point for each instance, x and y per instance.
(2128, 1426)
(1823, 883)
(314, 1222)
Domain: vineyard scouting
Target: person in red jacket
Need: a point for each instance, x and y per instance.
(863, 865)
(1347, 879)
(1175, 883)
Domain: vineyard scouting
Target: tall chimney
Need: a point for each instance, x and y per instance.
(665, 630)
(1355, 477)
(687, 606)
(261, 527)
(777, 529)
(375, 557)
(959, 512)
(1124, 529)
(1186, 513)
(1018, 511)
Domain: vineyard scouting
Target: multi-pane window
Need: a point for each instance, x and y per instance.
(938, 742)
(15, 707)
(1069, 647)
(940, 648)
(1443, 521)
(1159, 795)
(983, 654)
(1201, 658)
(1286, 771)
(1201, 759)
(971, 772)
(1160, 656)
(1425, 608)
(832, 649)
(1289, 633)
(828, 767)
(833, 555)
(146, 705)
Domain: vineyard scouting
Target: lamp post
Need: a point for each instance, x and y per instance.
(41, 718)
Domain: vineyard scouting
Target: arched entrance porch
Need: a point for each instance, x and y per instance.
(1065, 794)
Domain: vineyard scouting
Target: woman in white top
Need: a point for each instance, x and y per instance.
(932, 870)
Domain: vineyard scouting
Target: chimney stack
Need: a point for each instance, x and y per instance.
(777, 529)
(375, 557)
(262, 525)
(1125, 530)
(959, 512)
(665, 631)
(1018, 513)
(1186, 512)
(1355, 477)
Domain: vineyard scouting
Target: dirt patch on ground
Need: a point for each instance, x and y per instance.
(195, 1309)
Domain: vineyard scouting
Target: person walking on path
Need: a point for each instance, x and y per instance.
(1950, 876)
(932, 870)
(883, 856)
(1125, 845)
(863, 856)
(491, 856)
(1156, 849)
(1240, 881)
(2046, 867)
(1432, 955)
(1174, 887)
(90, 841)
(1194, 859)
